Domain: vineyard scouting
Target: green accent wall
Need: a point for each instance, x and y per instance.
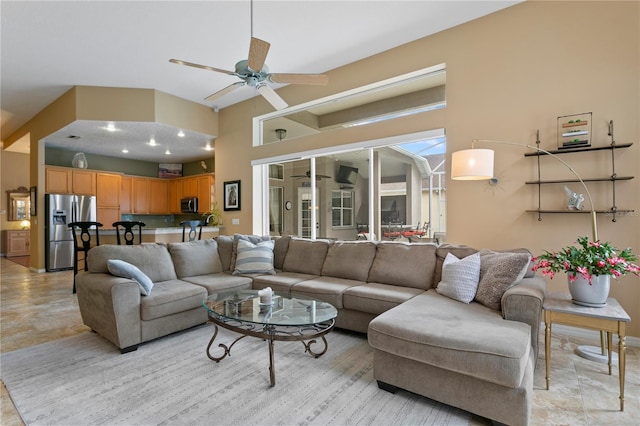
(64, 157)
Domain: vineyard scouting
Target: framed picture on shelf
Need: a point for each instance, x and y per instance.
(574, 131)
(169, 170)
(232, 195)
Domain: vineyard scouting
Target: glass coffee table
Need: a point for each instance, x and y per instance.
(285, 318)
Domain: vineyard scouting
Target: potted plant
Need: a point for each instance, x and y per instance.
(212, 217)
(589, 267)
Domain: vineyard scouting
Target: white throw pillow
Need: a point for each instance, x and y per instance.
(460, 277)
(254, 258)
(123, 269)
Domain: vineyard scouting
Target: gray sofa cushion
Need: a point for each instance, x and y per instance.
(404, 264)
(195, 258)
(281, 282)
(349, 259)
(280, 247)
(305, 256)
(225, 248)
(171, 297)
(327, 289)
(152, 259)
(220, 282)
(468, 339)
(377, 298)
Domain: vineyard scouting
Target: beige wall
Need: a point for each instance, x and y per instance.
(508, 74)
(15, 173)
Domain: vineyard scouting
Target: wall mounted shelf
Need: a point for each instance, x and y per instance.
(613, 211)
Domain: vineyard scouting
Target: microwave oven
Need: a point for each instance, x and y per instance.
(189, 205)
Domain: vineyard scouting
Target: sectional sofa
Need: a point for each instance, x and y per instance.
(478, 356)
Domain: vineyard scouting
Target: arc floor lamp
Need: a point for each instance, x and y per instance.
(477, 164)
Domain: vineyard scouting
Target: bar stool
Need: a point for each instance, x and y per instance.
(128, 234)
(195, 227)
(85, 238)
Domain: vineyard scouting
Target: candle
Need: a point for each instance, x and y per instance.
(265, 295)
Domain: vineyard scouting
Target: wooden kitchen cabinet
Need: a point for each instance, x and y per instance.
(174, 194)
(190, 187)
(57, 180)
(83, 182)
(17, 243)
(126, 192)
(205, 192)
(140, 195)
(158, 203)
(108, 198)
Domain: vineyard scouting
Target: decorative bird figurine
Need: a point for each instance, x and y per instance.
(204, 166)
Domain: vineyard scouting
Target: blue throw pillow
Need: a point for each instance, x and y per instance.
(120, 268)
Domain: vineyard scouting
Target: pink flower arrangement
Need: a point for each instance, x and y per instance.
(589, 259)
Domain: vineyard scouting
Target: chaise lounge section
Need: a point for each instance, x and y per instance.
(479, 357)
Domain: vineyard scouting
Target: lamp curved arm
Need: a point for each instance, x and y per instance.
(594, 226)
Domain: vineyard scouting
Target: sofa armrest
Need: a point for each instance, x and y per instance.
(110, 306)
(523, 302)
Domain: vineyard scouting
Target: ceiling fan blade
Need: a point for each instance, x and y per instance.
(272, 97)
(258, 53)
(204, 67)
(224, 91)
(317, 79)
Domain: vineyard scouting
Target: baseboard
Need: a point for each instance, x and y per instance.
(588, 334)
(36, 270)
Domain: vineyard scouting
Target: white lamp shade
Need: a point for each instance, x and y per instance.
(472, 164)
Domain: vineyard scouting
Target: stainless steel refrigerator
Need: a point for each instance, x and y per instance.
(63, 209)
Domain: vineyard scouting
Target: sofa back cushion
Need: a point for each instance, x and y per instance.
(152, 259)
(305, 256)
(280, 247)
(225, 248)
(193, 258)
(404, 264)
(349, 259)
(441, 254)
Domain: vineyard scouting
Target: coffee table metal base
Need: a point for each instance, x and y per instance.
(306, 334)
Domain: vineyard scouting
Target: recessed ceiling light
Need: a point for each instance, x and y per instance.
(208, 147)
(181, 134)
(125, 150)
(111, 127)
(152, 142)
(167, 152)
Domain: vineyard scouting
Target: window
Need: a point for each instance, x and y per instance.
(276, 171)
(341, 208)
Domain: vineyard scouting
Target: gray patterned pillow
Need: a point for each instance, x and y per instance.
(460, 277)
(498, 272)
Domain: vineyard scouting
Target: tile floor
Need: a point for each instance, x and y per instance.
(36, 308)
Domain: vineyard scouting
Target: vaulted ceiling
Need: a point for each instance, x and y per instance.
(49, 46)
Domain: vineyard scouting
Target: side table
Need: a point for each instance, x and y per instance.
(611, 318)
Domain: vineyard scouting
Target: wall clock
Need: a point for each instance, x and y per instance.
(287, 205)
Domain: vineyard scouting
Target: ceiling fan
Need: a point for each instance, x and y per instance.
(253, 72)
(308, 176)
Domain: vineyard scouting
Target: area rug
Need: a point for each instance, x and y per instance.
(84, 380)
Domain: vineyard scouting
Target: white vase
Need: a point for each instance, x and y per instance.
(593, 295)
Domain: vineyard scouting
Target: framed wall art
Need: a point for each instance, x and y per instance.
(232, 195)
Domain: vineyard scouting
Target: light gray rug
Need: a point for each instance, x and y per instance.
(84, 380)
